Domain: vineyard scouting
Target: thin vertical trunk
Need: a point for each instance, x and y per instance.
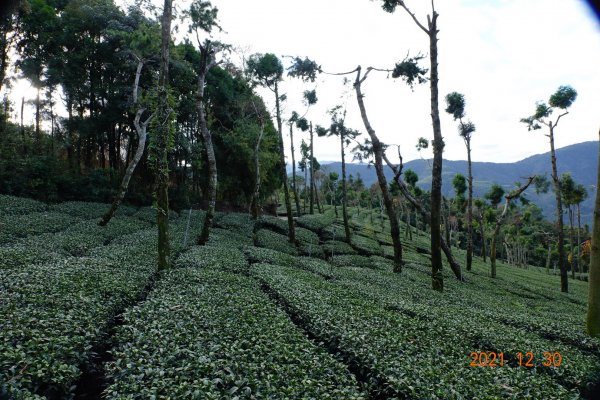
(254, 204)
(378, 153)
(286, 192)
(593, 313)
(548, 258)
(312, 171)
(482, 233)
(344, 192)
(162, 170)
(571, 239)
(38, 117)
(207, 62)
(297, 200)
(469, 207)
(23, 126)
(564, 278)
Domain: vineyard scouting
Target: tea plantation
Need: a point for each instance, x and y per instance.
(85, 314)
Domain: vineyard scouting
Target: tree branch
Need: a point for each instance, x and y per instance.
(414, 18)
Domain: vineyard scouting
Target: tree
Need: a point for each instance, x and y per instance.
(204, 18)
(562, 99)
(163, 141)
(293, 119)
(593, 313)
(494, 195)
(268, 71)
(431, 30)
(459, 183)
(346, 135)
(500, 220)
(456, 106)
(378, 150)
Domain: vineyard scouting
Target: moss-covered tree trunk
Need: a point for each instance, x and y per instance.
(593, 314)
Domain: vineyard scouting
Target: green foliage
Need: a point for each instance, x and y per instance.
(274, 241)
(563, 97)
(495, 194)
(212, 334)
(310, 97)
(304, 69)
(411, 178)
(459, 182)
(316, 222)
(265, 69)
(455, 105)
(410, 71)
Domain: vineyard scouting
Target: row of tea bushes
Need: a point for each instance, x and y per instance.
(11, 205)
(54, 314)
(402, 354)
(211, 334)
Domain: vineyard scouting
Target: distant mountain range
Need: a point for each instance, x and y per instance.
(581, 160)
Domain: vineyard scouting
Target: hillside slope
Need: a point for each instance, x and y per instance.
(581, 160)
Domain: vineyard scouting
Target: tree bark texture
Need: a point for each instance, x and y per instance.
(312, 172)
(207, 62)
(469, 207)
(344, 191)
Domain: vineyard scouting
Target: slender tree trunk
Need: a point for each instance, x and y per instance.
(256, 194)
(162, 163)
(207, 62)
(493, 246)
(593, 313)
(571, 240)
(23, 126)
(344, 191)
(296, 198)
(469, 207)
(38, 117)
(286, 192)
(564, 278)
(482, 233)
(312, 171)
(548, 258)
(378, 153)
(317, 200)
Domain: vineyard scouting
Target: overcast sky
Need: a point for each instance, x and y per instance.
(503, 55)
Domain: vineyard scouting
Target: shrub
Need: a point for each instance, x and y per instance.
(316, 222)
(274, 241)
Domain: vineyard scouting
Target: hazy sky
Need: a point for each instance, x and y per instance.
(503, 55)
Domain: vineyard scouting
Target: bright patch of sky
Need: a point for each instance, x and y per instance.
(503, 55)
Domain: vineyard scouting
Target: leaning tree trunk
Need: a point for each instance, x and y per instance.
(162, 142)
(454, 266)
(564, 278)
(344, 192)
(297, 200)
(141, 129)
(378, 153)
(593, 313)
(207, 63)
(286, 192)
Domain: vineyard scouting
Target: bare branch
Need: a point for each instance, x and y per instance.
(414, 18)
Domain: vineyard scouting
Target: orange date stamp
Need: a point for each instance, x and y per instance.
(527, 360)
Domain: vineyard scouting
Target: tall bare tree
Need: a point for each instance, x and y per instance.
(562, 99)
(431, 30)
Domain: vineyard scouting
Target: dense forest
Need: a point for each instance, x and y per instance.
(155, 181)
